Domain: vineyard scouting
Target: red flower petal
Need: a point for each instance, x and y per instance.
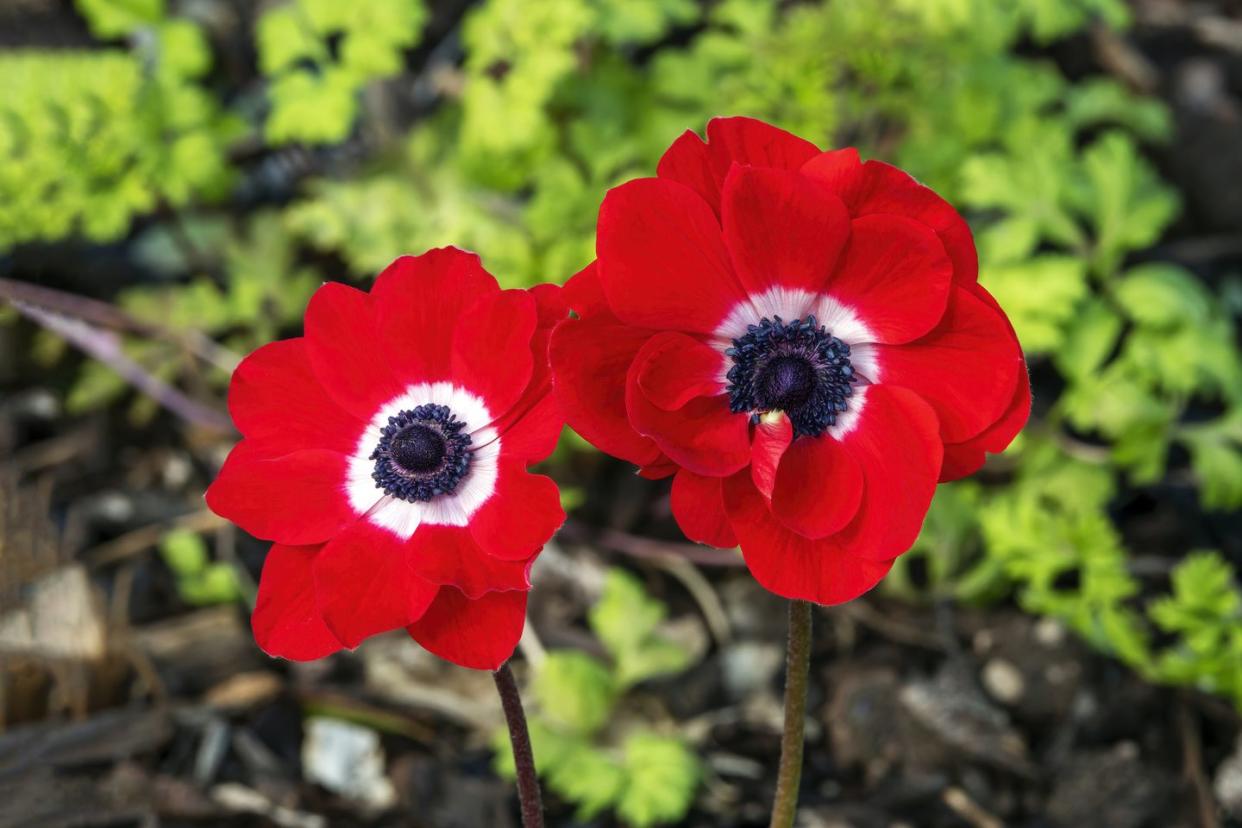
(784, 562)
(491, 348)
(895, 275)
(772, 437)
(481, 634)
(295, 499)
(450, 556)
(589, 361)
(876, 187)
(754, 142)
(961, 459)
(418, 301)
(340, 341)
(703, 167)
(686, 161)
(819, 486)
(530, 430)
(550, 304)
(782, 228)
(966, 368)
(896, 441)
(703, 435)
(584, 293)
(698, 506)
(677, 368)
(661, 468)
(662, 261)
(286, 619)
(521, 516)
(278, 403)
(365, 584)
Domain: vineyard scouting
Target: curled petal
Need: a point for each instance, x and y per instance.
(365, 584)
(590, 360)
(480, 634)
(819, 570)
(286, 619)
(819, 486)
(520, 517)
(698, 506)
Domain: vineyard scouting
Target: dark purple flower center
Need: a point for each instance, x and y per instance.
(422, 453)
(795, 367)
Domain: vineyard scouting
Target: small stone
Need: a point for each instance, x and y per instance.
(348, 760)
(1003, 681)
(1228, 782)
(1049, 632)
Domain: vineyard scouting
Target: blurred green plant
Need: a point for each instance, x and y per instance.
(318, 55)
(590, 748)
(89, 140)
(200, 581)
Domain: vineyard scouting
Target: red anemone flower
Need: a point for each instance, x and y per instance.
(801, 338)
(385, 453)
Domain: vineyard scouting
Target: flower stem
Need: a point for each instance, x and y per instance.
(523, 756)
(797, 667)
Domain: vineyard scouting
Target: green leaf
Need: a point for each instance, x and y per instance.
(1098, 101)
(183, 50)
(588, 777)
(1040, 295)
(217, 584)
(185, 553)
(1123, 198)
(1090, 339)
(284, 37)
(661, 777)
(655, 657)
(624, 616)
(1216, 455)
(574, 691)
(1053, 19)
(1162, 295)
(117, 18)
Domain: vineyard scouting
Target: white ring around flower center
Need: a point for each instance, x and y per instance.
(401, 517)
(838, 319)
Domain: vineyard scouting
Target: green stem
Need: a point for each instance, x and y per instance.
(797, 667)
(523, 756)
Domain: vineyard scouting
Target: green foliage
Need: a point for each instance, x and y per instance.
(199, 581)
(1204, 612)
(117, 18)
(314, 87)
(88, 140)
(626, 620)
(661, 776)
(587, 744)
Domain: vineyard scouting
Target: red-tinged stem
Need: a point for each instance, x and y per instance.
(797, 668)
(523, 756)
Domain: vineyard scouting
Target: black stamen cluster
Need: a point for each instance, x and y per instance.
(422, 453)
(795, 367)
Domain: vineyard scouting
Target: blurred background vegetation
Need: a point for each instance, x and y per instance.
(177, 176)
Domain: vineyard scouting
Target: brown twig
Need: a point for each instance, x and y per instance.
(104, 346)
(614, 540)
(1192, 763)
(146, 537)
